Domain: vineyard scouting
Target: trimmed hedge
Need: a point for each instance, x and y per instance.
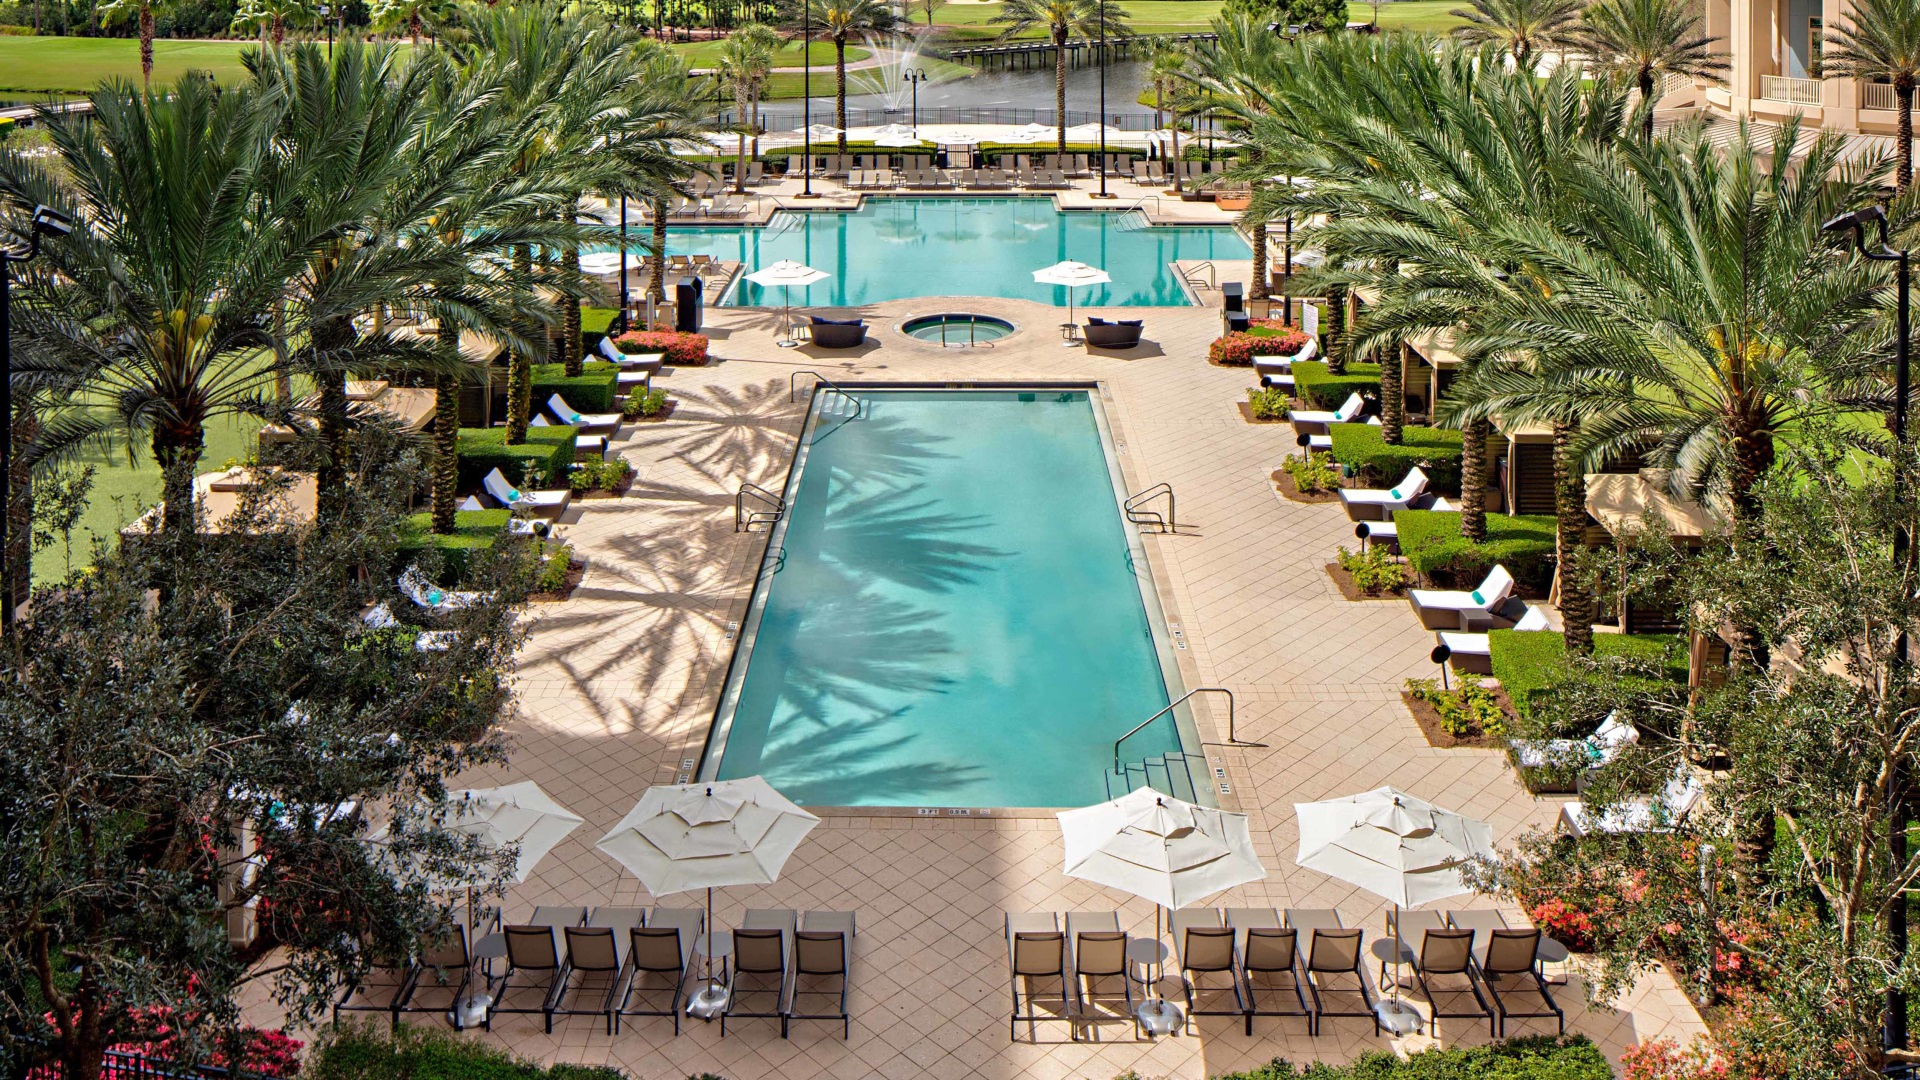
(1320, 389)
(481, 450)
(1431, 541)
(473, 530)
(1533, 1057)
(365, 1051)
(1528, 664)
(593, 390)
(594, 324)
(1361, 448)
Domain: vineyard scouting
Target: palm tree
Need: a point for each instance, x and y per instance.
(418, 16)
(272, 17)
(836, 21)
(1169, 65)
(143, 11)
(1231, 75)
(1880, 39)
(1644, 40)
(1062, 18)
(1524, 27)
(746, 60)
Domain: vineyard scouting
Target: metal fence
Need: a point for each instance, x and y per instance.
(123, 1065)
(781, 121)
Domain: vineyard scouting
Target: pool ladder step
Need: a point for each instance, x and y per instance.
(1169, 774)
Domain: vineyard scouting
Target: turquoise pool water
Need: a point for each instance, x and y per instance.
(899, 248)
(957, 618)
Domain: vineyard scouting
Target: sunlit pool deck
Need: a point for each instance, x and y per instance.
(618, 687)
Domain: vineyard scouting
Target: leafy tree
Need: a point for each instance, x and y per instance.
(418, 16)
(272, 17)
(1880, 39)
(250, 700)
(1525, 27)
(1644, 40)
(836, 21)
(1310, 14)
(746, 62)
(1062, 19)
(1231, 75)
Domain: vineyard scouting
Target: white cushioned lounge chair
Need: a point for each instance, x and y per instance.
(1439, 609)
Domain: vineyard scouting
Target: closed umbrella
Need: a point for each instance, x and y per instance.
(1161, 849)
(1072, 275)
(681, 837)
(787, 274)
(1395, 846)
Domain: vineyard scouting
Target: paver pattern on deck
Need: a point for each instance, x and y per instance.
(618, 684)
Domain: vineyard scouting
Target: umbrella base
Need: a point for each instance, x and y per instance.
(1398, 1017)
(1159, 1016)
(787, 343)
(709, 1002)
(471, 1011)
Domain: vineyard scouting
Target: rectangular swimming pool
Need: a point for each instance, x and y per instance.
(952, 612)
(901, 248)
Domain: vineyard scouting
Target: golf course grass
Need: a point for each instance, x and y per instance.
(74, 65)
(705, 54)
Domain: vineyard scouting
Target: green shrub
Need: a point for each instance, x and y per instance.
(644, 403)
(1361, 449)
(366, 1051)
(554, 566)
(680, 350)
(1468, 712)
(548, 452)
(1313, 473)
(1267, 403)
(1321, 389)
(1523, 543)
(1532, 1057)
(473, 530)
(1374, 571)
(592, 390)
(594, 324)
(606, 475)
(1531, 664)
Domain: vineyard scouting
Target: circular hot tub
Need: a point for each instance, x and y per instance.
(956, 330)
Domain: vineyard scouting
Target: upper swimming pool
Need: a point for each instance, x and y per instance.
(952, 613)
(901, 248)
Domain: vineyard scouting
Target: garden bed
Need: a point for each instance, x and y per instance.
(665, 411)
(615, 492)
(1246, 413)
(1284, 484)
(1428, 717)
(1348, 589)
(576, 570)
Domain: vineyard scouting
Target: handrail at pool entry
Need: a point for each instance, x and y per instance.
(1174, 705)
(747, 519)
(1137, 516)
(820, 380)
(1191, 275)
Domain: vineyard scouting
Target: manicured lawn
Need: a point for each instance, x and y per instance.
(971, 21)
(701, 54)
(75, 65)
(787, 84)
(1421, 16)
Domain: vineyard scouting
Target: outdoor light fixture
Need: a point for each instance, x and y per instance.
(46, 221)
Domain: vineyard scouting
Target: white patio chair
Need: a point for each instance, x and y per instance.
(590, 423)
(1375, 504)
(1439, 609)
(1656, 813)
(542, 503)
(1600, 748)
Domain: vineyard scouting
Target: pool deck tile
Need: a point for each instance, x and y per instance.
(617, 685)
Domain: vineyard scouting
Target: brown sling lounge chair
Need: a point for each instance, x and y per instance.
(596, 961)
(1269, 959)
(1205, 946)
(1507, 966)
(1099, 952)
(534, 956)
(659, 959)
(822, 964)
(762, 954)
(1036, 950)
(1333, 952)
(1441, 958)
(384, 988)
(441, 978)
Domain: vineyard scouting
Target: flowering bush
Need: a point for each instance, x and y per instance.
(1564, 923)
(1239, 349)
(680, 348)
(262, 1052)
(1663, 1059)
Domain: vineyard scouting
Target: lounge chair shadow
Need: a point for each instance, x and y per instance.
(1146, 350)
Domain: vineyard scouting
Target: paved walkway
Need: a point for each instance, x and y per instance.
(617, 686)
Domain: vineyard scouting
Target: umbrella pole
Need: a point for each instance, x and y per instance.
(786, 341)
(709, 1002)
(1156, 1014)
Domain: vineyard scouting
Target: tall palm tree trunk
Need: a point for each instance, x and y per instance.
(1173, 130)
(446, 434)
(1473, 480)
(279, 31)
(575, 348)
(1393, 396)
(1570, 521)
(1060, 84)
(657, 277)
(740, 119)
(1903, 161)
(519, 364)
(840, 88)
(1333, 334)
(146, 44)
(1646, 98)
(1259, 233)
(19, 556)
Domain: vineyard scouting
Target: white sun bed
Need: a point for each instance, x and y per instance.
(1323, 444)
(1318, 420)
(1473, 653)
(1658, 813)
(589, 423)
(1373, 504)
(415, 587)
(1439, 609)
(1608, 742)
(582, 444)
(1268, 366)
(542, 503)
(649, 361)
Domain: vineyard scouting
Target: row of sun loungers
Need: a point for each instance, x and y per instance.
(1250, 962)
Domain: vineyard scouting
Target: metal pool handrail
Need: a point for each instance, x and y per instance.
(859, 406)
(1183, 697)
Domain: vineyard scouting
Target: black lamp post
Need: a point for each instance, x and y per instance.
(46, 222)
(623, 262)
(1102, 168)
(1893, 1035)
(915, 76)
(324, 11)
(806, 99)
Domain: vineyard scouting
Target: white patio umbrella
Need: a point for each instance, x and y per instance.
(1030, 133)
(1395, 846)
(1161, 849)
(1092, 132)
(602, 263)
(950, 136)
(1073, 275)
(818, 131)
(787, 274)
(896, 135)
(681, 837)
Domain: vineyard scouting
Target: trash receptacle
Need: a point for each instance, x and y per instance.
(686, 305)
(1233, 296)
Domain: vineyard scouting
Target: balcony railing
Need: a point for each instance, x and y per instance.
(1795, 91)
(1878, 95)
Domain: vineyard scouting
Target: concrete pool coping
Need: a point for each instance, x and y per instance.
(1179, 673)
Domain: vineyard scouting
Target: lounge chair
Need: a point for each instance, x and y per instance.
(1333, 951)
(762, 954)
(1269, 959)
(1278, 370)
(1099, 951)
(822, 966)
(415, 587)
(1654, 813)
(1323, 443)
(1104, 334)
(1441, 609)
(1435, 951)
(1508, 964)
(1596, 750)
(648, 361)
(597, 961)
(533, 954)
(756, 175)
(883, 179)
(662, 950)
(601, 423)
(1378, 504)
(441, 977)
(548, 504)
(839, 333)
(1311, 421)
(1472, 654)
(1036, 949)
(856, 180)
(1204, 945)
(383, 987)
(593, 446)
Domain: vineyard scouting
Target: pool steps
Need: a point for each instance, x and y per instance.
(1169, 774)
